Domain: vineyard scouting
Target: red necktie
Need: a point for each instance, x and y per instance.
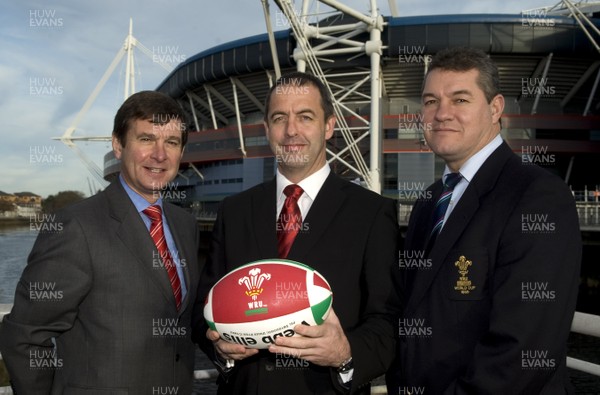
(158, 236)
(290, 220)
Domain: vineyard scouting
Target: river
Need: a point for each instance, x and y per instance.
(15, 244)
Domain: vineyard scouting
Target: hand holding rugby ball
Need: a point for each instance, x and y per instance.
(257, 302)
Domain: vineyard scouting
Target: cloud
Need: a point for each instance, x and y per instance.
(9, 85)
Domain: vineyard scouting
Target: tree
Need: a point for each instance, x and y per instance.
(60, 200)
(6, 206)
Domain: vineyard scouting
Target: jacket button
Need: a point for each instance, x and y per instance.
(177, 357)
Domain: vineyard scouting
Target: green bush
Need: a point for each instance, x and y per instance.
(3, 375)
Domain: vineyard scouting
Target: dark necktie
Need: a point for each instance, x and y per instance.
(289, 221)
(158, 236)
(442, 204)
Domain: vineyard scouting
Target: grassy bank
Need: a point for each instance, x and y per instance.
(8, 224)
(3, 375)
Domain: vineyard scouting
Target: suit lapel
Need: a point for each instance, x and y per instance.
(453, 228)
(136, 238)
(429, 209)
(263, 217)
(482, 183)
(417, 237)
(321, 213)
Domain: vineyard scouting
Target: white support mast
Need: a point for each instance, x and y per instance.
(314, 44)
(130, 68)
(68, 138)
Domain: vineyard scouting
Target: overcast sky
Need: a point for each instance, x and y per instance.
(52, 55)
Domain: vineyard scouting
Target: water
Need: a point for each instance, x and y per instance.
(16, 242)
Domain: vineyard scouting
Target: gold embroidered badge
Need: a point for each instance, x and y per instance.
(463, 284)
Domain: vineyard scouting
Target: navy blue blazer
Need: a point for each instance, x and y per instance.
(488, 310)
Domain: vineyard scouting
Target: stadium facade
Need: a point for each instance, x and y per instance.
(549, 72)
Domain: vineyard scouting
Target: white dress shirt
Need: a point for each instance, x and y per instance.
(468, 171)
(311, 186)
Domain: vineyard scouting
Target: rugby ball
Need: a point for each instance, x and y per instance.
(262, 300)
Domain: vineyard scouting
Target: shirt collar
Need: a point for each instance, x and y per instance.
(472, 165)
(311, 184)
(138, 201)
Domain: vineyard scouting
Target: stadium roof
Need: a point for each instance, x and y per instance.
(497, 34)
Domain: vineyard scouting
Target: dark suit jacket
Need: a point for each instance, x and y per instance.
(351, 238)
(112, 314)
(518, 226)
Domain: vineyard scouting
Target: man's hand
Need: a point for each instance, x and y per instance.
(324, 345)
(228, 350)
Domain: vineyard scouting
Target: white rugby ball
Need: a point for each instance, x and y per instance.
(255, 303)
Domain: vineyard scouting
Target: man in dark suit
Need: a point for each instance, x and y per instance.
(347, 233)
(103, 307)
(489, 286)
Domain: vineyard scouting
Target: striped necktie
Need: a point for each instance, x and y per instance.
(158, 236)
(442, 204)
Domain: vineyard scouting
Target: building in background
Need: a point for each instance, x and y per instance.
(549, 71)
(19, 204)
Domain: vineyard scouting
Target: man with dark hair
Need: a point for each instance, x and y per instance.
(348, 234)
(105, 302)
(491, 310)
(151, 106)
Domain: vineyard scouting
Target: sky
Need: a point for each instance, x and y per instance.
(52, 55)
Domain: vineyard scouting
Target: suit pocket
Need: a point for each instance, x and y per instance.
(465, 274)
(73, 390)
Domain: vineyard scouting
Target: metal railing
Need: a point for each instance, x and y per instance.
(583, 323)
(588, 212)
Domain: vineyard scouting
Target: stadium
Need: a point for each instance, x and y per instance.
(548, 69)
